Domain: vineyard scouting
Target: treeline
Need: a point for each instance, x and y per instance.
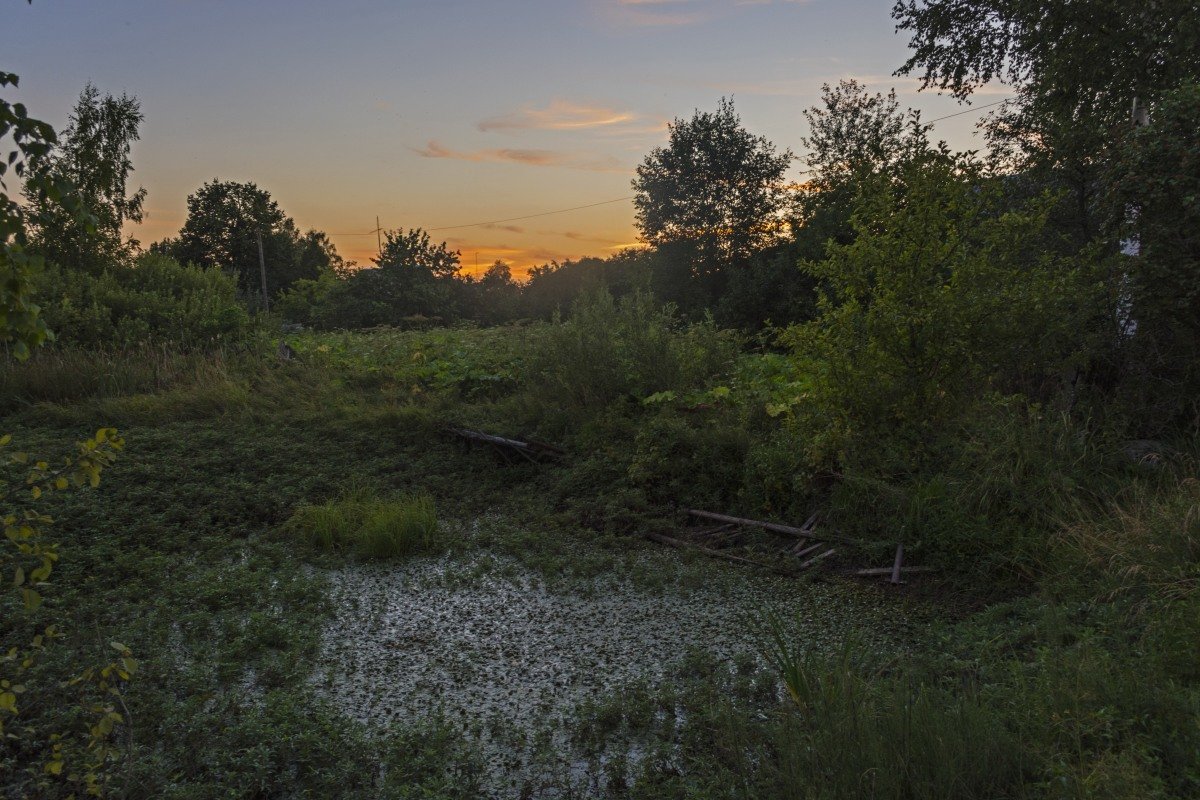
(1026, 253)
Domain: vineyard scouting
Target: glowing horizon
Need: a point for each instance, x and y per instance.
(441, 115)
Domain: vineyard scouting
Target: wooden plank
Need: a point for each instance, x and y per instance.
(774, 527)
(708, 551)
(897, 563)
(817, 558)
(890, 570)
(801, 551)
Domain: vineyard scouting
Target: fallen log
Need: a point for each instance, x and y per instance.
(774, 527)
(531, 451)
(708, 551)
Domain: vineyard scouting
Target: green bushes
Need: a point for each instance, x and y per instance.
(609, 351)
(372, 528)
(154, 300)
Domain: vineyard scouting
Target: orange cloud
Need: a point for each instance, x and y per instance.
(560, 115)
(531, 158)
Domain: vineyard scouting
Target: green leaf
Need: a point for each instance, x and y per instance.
(32, 599)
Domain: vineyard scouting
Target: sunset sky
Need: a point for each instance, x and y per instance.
(443, 114)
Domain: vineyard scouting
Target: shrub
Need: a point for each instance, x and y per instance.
(155, 300)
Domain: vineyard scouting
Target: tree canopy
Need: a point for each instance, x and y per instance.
(715, 191)
(225, 220)
(93, 156)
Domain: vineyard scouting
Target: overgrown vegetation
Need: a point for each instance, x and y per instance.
(956, 353)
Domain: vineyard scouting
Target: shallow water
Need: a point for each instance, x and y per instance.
(486, 643)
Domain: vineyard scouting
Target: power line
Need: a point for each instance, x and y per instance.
(967, 111)
(531, 216)
(498, 221)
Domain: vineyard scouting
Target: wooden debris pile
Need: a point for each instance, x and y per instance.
(793, 550)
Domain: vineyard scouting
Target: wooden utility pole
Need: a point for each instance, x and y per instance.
(378, 237)
(262, 271)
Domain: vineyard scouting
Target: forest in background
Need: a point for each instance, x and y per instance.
(989, 357)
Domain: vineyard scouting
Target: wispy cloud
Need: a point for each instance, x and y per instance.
(576, 236)
(674, 13)
(526, 157)
(560, 115)
(659, 13)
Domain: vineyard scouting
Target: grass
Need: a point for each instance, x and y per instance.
(373, 528)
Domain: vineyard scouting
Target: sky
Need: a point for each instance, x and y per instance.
(446, 113)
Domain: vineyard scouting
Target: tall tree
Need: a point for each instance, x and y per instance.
(415, 275)
(94, 156)
(21, 325)
(853, 137)
(225, 222)
(1076, 69)
(714, 195)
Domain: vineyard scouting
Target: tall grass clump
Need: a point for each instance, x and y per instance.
(857, 732)
(71, 374)
(371, 527)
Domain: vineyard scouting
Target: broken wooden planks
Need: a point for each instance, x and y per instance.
(816, 558)
(804, 532)
(530, 451)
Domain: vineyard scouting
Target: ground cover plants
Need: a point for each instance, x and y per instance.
(205, 515)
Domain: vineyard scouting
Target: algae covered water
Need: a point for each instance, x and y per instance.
(509, 657)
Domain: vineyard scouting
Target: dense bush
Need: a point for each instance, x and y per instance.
(941, 304)
(154, 300)
(609, 351)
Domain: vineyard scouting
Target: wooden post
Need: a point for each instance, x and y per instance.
(898, 563)
(262, 271)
